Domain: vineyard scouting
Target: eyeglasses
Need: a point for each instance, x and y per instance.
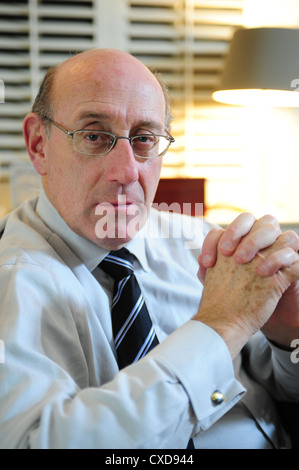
(94, 142)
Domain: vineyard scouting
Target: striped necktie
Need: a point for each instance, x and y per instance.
(133, 331)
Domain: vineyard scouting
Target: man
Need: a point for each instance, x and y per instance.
(60, 382)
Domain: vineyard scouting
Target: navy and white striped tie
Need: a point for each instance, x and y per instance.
(133, 331)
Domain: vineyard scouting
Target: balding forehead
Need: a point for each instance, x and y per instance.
(101, 76)
(113, 81)
(103, 61)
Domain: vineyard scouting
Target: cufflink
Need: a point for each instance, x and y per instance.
(217, 397)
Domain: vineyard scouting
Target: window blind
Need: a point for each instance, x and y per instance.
(33, 36)
(185, 40)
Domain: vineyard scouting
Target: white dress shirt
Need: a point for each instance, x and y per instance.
(60, 385)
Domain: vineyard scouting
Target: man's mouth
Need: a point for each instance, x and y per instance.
(120, 219)
(122, 202)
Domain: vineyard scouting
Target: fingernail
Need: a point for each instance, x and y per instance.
(227, 246)
(241, 254)
(206, 260)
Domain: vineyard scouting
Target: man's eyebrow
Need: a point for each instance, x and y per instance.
(154, 125)
(92, 115)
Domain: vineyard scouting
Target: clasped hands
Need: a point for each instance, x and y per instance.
(250, 273)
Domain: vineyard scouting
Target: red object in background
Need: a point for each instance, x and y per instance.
(181, 190)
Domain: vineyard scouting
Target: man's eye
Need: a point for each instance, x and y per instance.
(142, 138)
(93, 137)
(145, 139)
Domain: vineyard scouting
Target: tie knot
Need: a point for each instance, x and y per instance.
(118, 264)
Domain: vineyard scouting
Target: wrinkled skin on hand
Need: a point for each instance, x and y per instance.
(237, 302)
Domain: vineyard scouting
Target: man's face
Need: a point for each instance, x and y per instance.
(100, 196)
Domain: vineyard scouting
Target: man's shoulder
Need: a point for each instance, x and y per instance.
(24, 238)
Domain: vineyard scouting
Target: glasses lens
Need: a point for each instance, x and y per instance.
(92, 142)
(149, 146)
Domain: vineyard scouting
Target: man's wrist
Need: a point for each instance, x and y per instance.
(234, 336)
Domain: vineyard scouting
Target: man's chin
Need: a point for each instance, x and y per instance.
(112, 244)
(115, 240)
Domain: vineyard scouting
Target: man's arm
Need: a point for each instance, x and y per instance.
(51, 400)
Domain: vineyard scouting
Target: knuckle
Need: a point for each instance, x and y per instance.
(245, 219)
(215, 233)
(243, 223)
(290, 253)
(251, 242)
(270, 220)
(212, 238)
(246, 215)
(291, 237)
(273, 229)
(283, 257)
(232, 231)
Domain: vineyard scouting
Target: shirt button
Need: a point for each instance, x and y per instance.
(217, 397)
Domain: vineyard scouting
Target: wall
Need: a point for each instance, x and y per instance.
(5, 198)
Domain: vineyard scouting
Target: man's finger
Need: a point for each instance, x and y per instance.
(282, 255)
(209, 248)
(279, 260)
(263, 234)
(235, 232)
(201, 270)
(288, 275)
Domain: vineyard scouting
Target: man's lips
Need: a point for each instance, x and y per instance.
(128, 207)
(127, 203)
(121, 200)
(118, 204)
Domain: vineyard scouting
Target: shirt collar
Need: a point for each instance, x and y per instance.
(137, 247)
(89, 253)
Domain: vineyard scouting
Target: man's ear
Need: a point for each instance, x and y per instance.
(35, 139)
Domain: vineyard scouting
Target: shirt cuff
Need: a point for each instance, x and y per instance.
(201, 361)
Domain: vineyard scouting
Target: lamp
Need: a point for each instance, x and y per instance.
(262, 67)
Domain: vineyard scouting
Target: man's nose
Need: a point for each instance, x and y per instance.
(122, 164)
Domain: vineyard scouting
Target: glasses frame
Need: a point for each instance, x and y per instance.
(168, 137)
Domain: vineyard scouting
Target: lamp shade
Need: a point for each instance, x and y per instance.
(262, 66)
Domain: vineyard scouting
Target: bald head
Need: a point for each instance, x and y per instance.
(104, 61)
(100, 66)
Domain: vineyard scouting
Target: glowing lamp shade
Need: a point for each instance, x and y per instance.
(262, 67)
